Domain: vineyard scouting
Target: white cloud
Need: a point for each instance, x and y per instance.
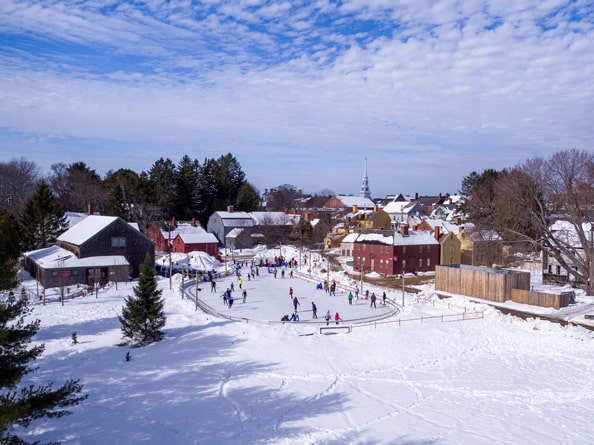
(436, 82)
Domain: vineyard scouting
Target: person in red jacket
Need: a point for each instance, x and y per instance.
(337, 318)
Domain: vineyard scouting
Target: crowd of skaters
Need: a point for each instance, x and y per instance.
(251, 269)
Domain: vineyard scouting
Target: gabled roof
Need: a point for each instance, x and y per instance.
(54, 257)
(73, 218)
(183, 228)
(350, 238)
(400, 207)
(375, 238)
(414, 238)
(350, 201)
(86, 229)
(198, 238)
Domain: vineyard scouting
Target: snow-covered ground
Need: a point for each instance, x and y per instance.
(413, 380)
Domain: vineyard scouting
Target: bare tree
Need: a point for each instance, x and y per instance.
(18, 180)
(529, 198)
(76, 186)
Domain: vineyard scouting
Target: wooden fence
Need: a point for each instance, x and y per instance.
(480, 282)
(542, 299)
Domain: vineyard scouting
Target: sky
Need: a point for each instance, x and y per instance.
(492, 380)
(300, 92)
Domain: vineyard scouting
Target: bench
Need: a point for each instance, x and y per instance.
(334, 328)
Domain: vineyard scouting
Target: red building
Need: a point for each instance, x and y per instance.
(190, 242)
(405, 251)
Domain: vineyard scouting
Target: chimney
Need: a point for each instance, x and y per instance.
(355, 208)
(404, 229)
(230, 208)
(375, 207)
(193, 222)
(89, 209)
(173, 222)
(436, 233)
(440, 196)
(416, 196)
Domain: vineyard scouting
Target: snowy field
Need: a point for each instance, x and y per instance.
(492, 380)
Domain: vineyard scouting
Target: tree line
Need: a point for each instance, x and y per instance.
(186, 190)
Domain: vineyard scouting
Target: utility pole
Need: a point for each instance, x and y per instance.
(169, 248)
(402, 287)
(196, 293)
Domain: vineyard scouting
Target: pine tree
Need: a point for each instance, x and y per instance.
(42, 222)
(19, 407)
(9, 250)
(142, 315)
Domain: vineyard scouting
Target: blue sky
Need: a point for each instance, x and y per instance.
(299, 92)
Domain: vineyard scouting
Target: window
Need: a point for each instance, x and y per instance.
(428, 262)
(118, 241)
(420, 262)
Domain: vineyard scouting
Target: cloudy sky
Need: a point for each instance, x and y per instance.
(299, 92)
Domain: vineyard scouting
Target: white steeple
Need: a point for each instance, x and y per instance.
(365, 193)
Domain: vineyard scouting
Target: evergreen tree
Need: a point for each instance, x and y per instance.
(186, 189)
(9, 250)
(208, 190)
(21, 407)
(41, 221)
(161, 177)
(248, 198)
(142, 315)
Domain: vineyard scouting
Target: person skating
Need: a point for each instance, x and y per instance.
(314, 309)
(337, 318)
(244, 294)
(296, 303)
(328, 317)
(372, 300)
(350, 298)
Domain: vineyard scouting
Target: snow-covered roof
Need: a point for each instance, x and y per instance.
(234, 233)
(565, 232)
(397, 207)
(350, 201)
(55, 257)
(375, 237)
(274, 218)
(183, 228)
(234, 215)
(350, 238)
(414, 238)
(444, 226)
(197, 238)
(86, 228)
(73, 218)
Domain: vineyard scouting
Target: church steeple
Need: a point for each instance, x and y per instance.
(365, 193)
